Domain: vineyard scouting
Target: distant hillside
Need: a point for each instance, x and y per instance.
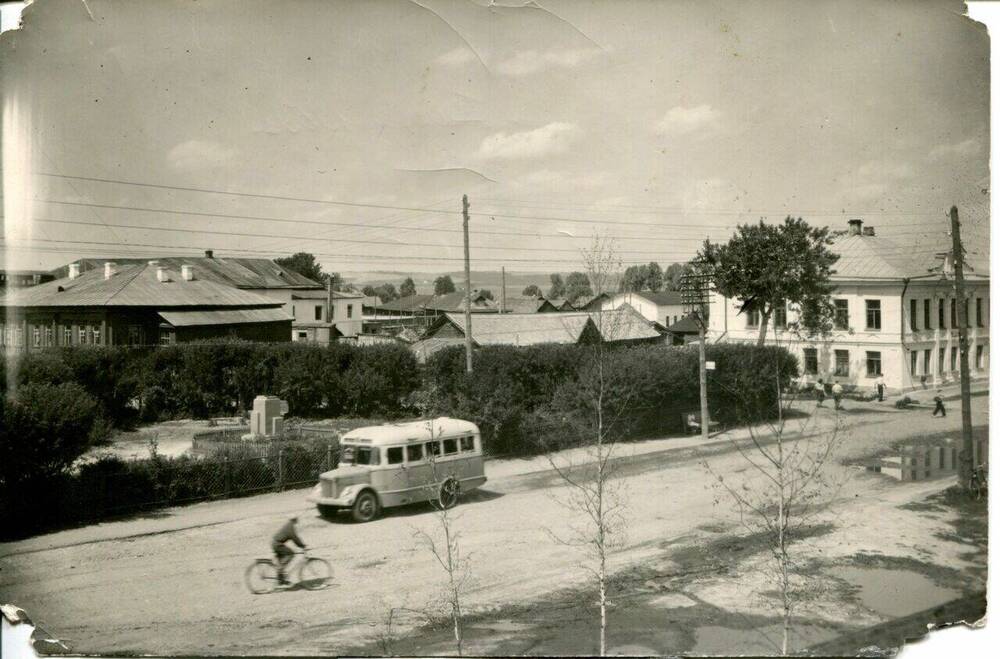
(516, 281)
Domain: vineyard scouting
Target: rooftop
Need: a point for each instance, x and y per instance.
(134, 285)
(622, 324)
(237, 272)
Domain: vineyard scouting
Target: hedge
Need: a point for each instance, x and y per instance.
(526, 400)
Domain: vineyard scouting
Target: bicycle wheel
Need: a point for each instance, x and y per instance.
(315, 573)
(261, 577)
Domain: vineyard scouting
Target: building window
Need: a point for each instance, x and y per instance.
(913, 315)
(780, 315)
(293, 311)
(318, 311)
(96, 333)
(36, 337)
(350, 310)
(874, 362)
(954, 359)
(49, 336)
(927, 314)
(841, 319)
(954, 321)
(67, 336)
(166, 337)
(19, 337)
(927, 361)
(303, 336)
(968, 318)
(842, 363)
(810, 361)
(873, 314)
(134, 335)
(82, 335)
(979, 312)
(753, 319)
(940, 360)
(941, 324)
(913, 362)
(979, 356)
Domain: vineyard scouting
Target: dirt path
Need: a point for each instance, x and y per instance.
(172, 584)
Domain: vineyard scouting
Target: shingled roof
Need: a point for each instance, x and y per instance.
(135, 285)
(236, 272)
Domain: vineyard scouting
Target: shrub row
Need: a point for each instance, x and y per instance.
(530, 399)
(222, 377)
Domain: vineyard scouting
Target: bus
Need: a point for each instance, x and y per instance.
(400, 463)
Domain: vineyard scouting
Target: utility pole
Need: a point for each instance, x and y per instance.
(503, 289)
(958, 258)
(468, 286)
(695, 297)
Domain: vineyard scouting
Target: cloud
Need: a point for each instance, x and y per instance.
(549, 139)
(964, 148)
(548, 177)
(681, 120)
(527, 62)
(874, 169)
(456, 57)
(711, 193)
(198, 154)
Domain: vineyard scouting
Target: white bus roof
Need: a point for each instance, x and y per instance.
(398, 433)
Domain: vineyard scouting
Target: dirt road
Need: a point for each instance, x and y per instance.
(171, 583)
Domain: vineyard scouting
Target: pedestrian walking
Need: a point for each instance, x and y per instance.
(820, 393)
(880, 388)
(939, 405)
(838, 393)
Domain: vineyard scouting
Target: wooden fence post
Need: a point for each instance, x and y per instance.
(329, 456)
(229, 475)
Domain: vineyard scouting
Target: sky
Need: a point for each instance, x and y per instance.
(352, 129)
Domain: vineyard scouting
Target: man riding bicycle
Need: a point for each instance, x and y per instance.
(281, 550)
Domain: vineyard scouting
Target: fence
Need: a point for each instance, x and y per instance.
(234, 469)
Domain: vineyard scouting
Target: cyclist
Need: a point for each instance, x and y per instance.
(281, 549)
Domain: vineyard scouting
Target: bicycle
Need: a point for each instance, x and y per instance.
(312, 573)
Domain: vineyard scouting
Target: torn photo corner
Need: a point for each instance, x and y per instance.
(493, 328)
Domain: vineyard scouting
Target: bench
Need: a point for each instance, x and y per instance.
(692, 422)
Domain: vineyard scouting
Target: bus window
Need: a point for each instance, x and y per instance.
(450, 446)
(414, 453)
(359, 455)
(394, 455)
(433, 449)
(468, 443)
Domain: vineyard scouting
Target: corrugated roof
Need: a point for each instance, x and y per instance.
(223, 317)
(238, 272)
(523, 328)
(409, 303)
(525, 304)
(321, 294)
(622, 324)
(661, 298)
(880, 258)
(134, 285)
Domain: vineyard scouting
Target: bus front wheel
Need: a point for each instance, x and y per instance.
(365, 507)
(449, 493)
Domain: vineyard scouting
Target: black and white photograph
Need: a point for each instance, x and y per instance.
(493, 327)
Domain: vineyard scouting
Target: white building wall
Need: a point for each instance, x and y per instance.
(894, 341)
(663, 314)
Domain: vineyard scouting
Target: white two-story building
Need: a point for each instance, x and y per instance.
(896, 318)
(663, 307)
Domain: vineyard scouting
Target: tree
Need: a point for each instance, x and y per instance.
(578, 286)
(335, 279)
(785, 486)
(407, 288)
(444, 285)
(598, 403)
(386, 292)
(676, 271)
(486, 293)
(654, 277)
(370, 291)
(769, 266)
(303, 263)
(558, 288)
(532, 291)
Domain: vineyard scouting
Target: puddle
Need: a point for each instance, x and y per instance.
(917, 463)
(763, 640)
(895, 593)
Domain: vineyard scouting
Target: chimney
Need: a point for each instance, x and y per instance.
(868, 231)
(187, 272)
(161, 273)
(855, 227)
(208, 254)
(74, 270)
(109, 270)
